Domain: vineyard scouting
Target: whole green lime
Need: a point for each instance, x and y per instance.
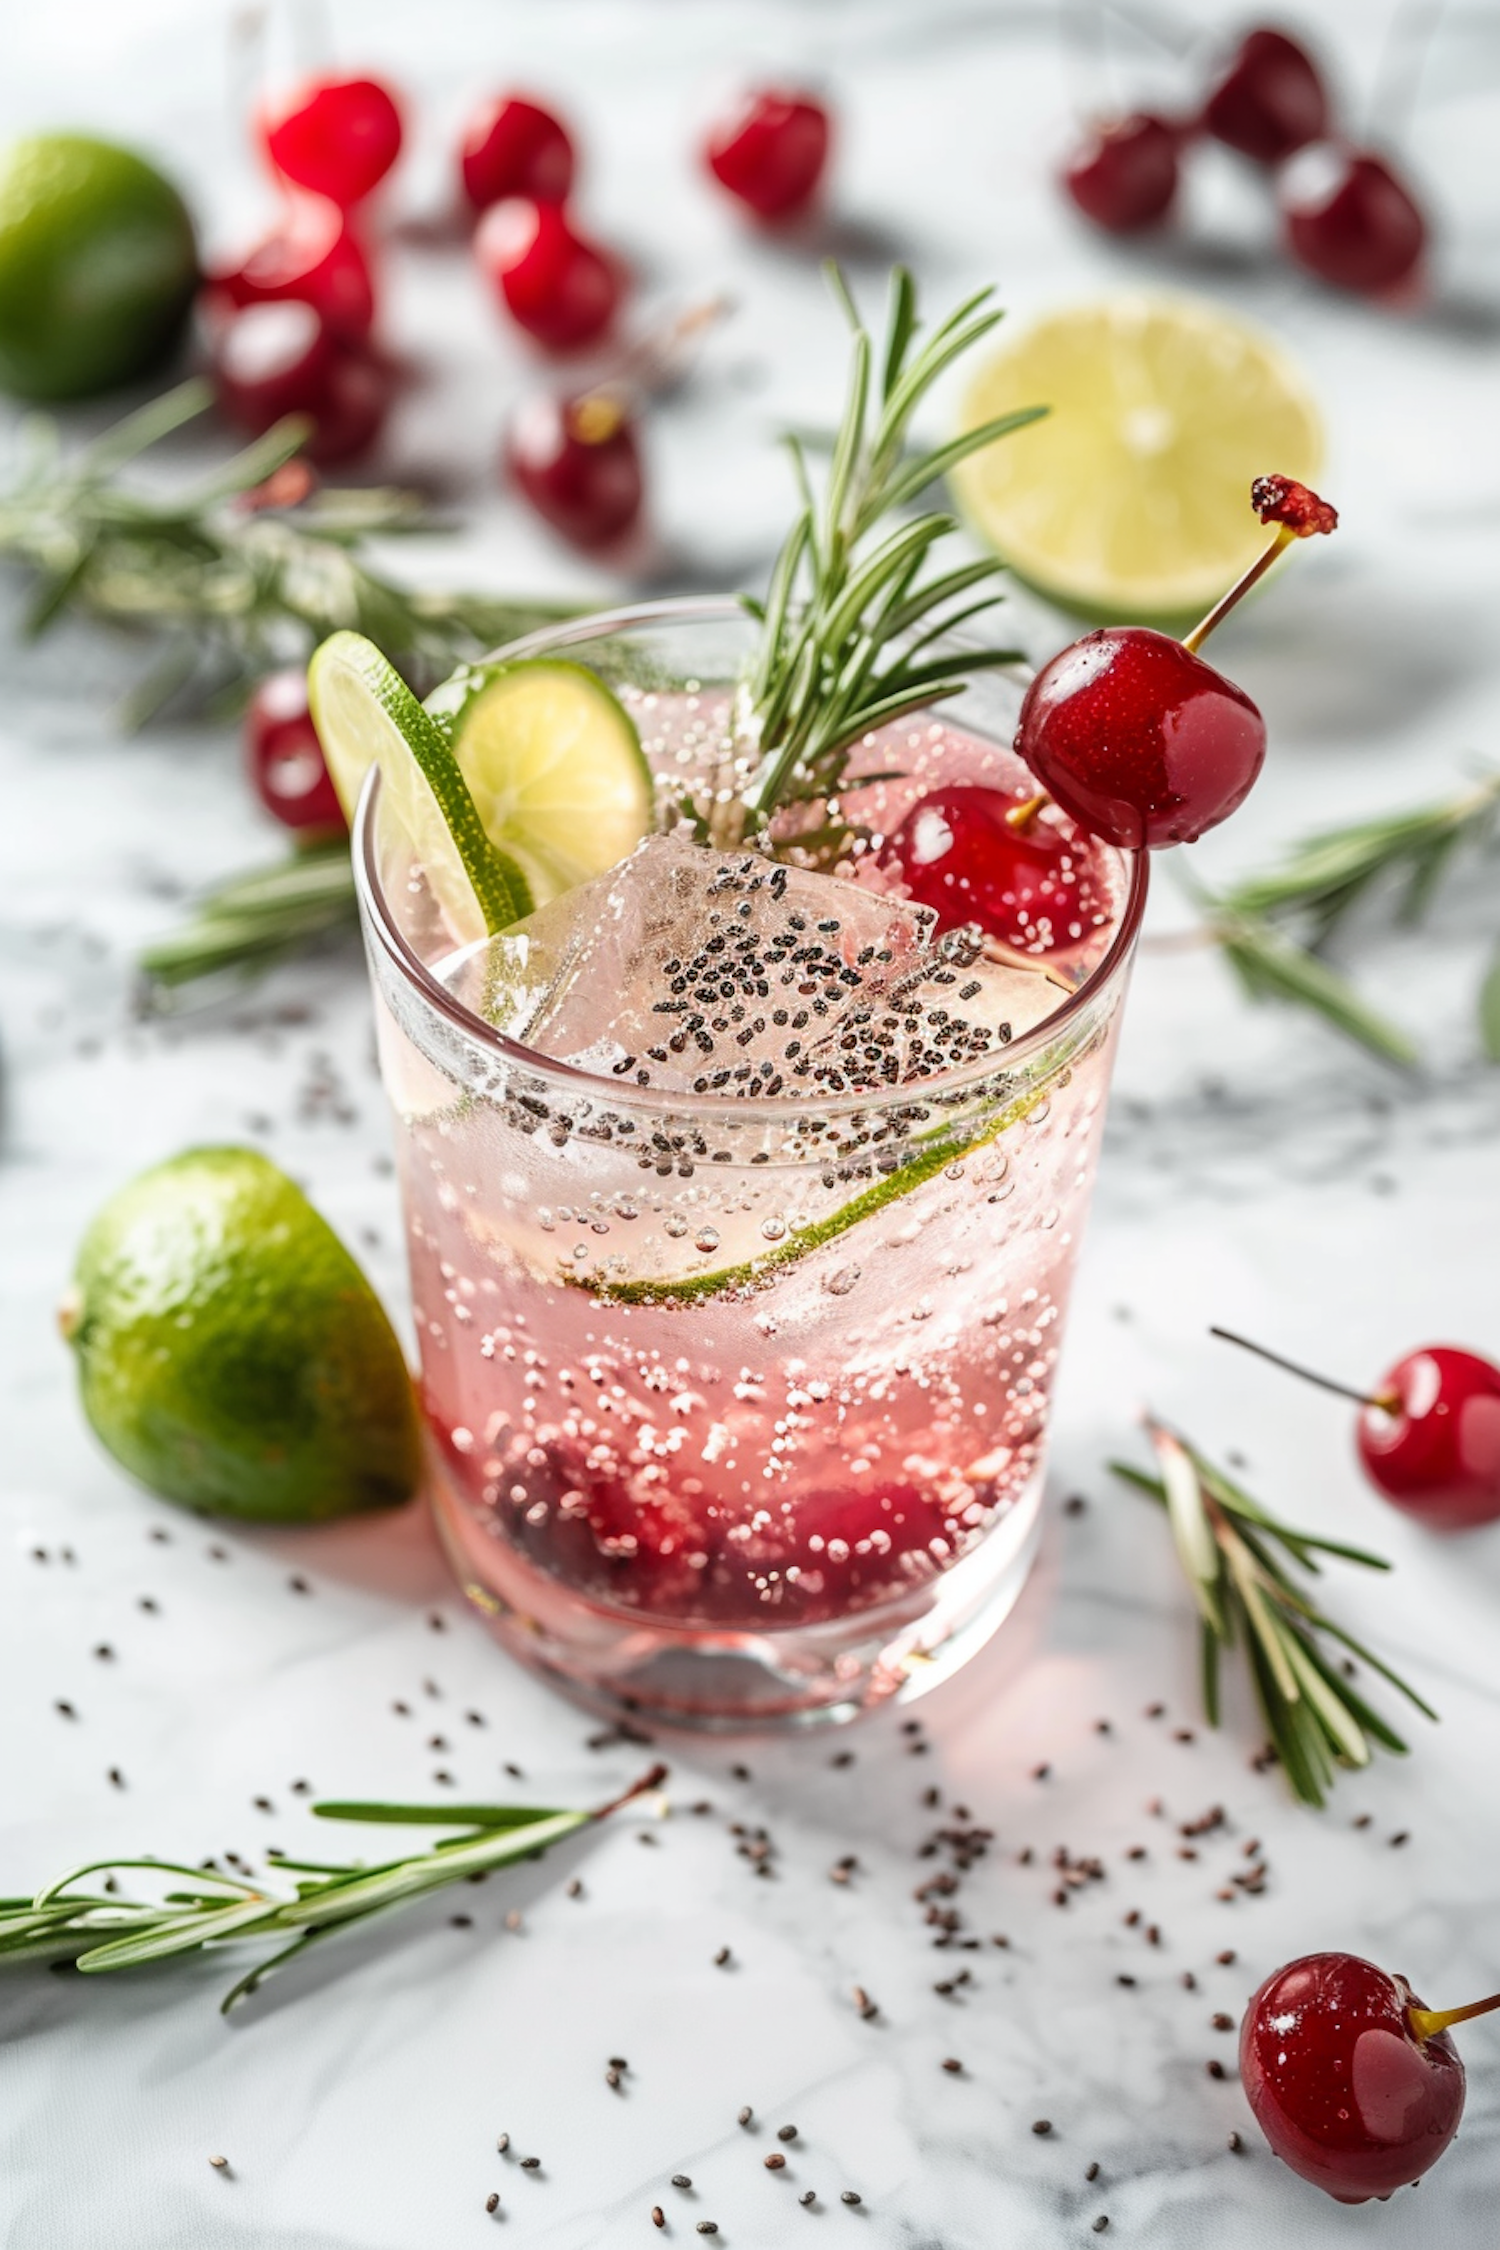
(97, 266)
(231, 1355)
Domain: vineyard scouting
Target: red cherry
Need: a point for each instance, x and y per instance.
(1138, 739)
(285, 758)
(271, 360)
(312, 255)
(1343, 2087)
(578, 463)
(1125, 174)
(515, 147)
(335, 136)
(353, 412)
(1269, 100)
(770, 150)
(276, 359)
(1435, 1451)
(1429, 1435)
(555, 283)
(1036, 887)
(1349, 219)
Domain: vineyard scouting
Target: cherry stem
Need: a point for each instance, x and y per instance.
(647, 1781)
(1428, 2022)
(1194, 640)
(1020, 817)
(1385, 1400)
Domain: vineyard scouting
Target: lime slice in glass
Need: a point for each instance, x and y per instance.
(553, 764)
(366, 715)
(1132, 499)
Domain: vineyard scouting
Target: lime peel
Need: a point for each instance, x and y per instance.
(366, 715)
(755, 1273)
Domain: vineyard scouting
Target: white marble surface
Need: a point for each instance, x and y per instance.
(1258, 1173)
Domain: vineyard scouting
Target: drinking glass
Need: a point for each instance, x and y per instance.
(737, 1409)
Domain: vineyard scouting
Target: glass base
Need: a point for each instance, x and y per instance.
(721, 1682)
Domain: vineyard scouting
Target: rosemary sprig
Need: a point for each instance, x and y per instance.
(1234, 1554)
(1272, 925)
(99, 1931)
(849, 621)
(251, 920)
(246, 569)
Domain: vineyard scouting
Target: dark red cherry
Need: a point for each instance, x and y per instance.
(275, 359)
(1138, 739)
(1435, 1450)
(1349, 219)
(1124, 175)
(578, 463)
(285, 758)
(270, 360)
(1342, 2086)
(1037, 888)
(334, 136)
(1269, 101)
(553, 281)
(311, 254)
(770, 150)
(512, 146)
(355, 405)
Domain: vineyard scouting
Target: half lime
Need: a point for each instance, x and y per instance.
(554, 766)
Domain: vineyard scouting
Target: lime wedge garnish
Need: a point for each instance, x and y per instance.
(366, 715)
(553, 764)
(1132, 499)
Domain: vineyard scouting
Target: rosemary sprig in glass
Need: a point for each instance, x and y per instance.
(98, 1930)
(245, 569)
(849, 621)
(1272, 925)
(1235, 1555)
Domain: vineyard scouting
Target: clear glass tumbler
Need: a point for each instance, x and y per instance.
(737, 1409)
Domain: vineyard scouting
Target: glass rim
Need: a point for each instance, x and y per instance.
(659, 1100)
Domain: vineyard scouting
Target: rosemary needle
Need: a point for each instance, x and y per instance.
(1235, 1555)
(101, 1931)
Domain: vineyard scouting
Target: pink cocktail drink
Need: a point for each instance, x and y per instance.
(743, 1205)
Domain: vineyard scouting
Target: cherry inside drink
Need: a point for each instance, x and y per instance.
(743, 1200)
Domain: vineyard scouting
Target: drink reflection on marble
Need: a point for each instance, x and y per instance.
(743, 1203)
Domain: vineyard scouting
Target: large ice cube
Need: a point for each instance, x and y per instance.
(713, 972)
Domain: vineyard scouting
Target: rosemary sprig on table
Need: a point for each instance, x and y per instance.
(98, 1930)
(1235, 1554)
(849, 622)
(251, 920)
(245, 569)
(1270, 926)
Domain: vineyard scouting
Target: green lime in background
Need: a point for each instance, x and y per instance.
(231, 1354)
(97, 266)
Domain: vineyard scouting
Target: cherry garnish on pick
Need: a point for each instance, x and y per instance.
(1134, 735)
(1429, 1434)
(1354, 2083)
